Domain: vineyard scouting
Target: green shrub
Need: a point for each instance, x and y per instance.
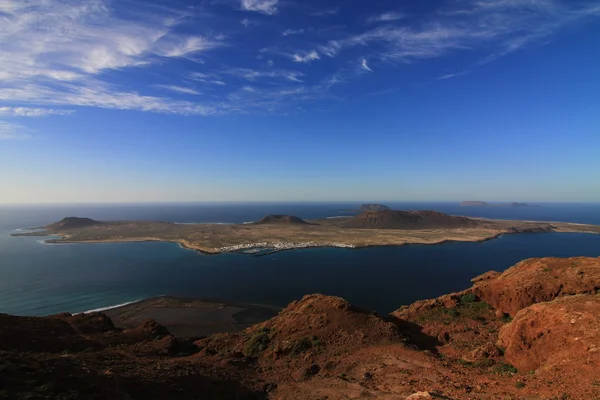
(453, 312)
(504, 369)
(256, 344)
(506, 318)
(519, 385)
(301, 346)
(468, 298)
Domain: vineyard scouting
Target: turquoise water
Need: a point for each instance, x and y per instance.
(39, 279)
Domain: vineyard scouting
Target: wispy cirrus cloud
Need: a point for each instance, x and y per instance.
(103, 95)
(289, 32)
(58, 52)
(249, 22)
(386, 17)
(68, 40)
(253, 75)
(71, 53)
(31, 112)
(497, 26)
(454, 75)
(211, 78)
(306, 58)
(179, 89)
(325, 13)
(10, 131)
(268, 7)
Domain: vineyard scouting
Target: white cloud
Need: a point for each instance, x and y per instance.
(332, 48)
(67, 40)
(252, 75)
(364, 65)
(289, 32)
(325, 13)
(53, 51)
(179, 89)
(249, 22)
(386, 17)
(212, 79)
(184, 46)
(31, 112)
(10, 131)
(268, 7)
(331, 81)
(80, 52)
(454, 75)
(99, 94)
(307, 58)
(498, 26)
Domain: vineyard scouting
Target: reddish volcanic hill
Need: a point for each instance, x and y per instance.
(72, 223)
(282, 219)
(419, 219)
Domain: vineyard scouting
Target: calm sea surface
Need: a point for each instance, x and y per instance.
(40, 279)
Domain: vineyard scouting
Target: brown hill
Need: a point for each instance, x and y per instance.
(72, 223)
(282, 219)
(419, 219)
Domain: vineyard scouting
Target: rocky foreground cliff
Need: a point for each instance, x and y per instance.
(532, 332)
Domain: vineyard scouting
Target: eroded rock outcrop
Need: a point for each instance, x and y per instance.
(558, 336)
(537, 280)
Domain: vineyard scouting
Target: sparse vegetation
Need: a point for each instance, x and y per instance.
(304, 344)
(504, 369)
(506, 318)
(258, 343)
(485, 363)
(468, 298)
(453, 312)
(520, 385)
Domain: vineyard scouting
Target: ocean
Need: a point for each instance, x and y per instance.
(42, 279)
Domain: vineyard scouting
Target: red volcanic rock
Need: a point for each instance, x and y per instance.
(538, 280)
(560, 337)
(326, 320)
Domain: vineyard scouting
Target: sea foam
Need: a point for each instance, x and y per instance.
(110, 307)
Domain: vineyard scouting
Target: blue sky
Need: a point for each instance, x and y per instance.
(269, 100)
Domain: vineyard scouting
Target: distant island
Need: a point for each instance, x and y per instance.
(285, 232)
(486, 204)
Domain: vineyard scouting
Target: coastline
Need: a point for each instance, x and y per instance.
(191, 317)
(275, 249)
(268, 238)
